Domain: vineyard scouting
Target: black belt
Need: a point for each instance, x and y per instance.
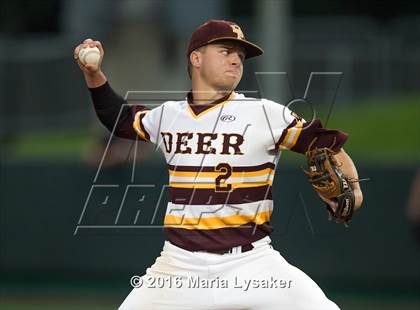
(244, 248)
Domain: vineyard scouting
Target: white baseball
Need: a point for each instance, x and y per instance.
(89, 55)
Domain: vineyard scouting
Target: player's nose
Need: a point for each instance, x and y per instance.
(235, 58)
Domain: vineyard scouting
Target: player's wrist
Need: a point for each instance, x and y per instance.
(95, 79)
(358, 198)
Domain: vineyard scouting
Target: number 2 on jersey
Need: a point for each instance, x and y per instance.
(226, 171)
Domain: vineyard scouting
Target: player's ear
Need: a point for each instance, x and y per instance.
(195, 59)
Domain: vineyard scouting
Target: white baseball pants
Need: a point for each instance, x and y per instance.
(258, 279)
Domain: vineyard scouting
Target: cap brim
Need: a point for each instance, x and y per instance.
(251, 49)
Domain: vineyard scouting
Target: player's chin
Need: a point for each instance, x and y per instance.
(233, 75)
(230, 82)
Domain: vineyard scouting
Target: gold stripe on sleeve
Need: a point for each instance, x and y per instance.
(292, 136)
(137, 126)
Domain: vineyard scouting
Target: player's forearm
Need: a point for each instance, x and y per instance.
(107, 104)
(349, 170)
(347, 166)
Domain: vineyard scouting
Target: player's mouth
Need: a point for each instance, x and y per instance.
(233, 72)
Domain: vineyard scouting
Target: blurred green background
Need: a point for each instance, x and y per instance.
(52, 145)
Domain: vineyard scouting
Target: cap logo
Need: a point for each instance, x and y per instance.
(236, 29)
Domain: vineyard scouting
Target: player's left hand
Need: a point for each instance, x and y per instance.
(358, 199)
(333, 204)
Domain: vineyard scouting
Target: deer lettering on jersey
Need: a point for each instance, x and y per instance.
(204, 147)
(230, 145)
(182, 140)
(227, 143)
(167, 143)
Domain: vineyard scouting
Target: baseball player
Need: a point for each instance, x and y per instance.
(221, 151)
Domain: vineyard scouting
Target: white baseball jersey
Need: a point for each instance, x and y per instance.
(221, 160)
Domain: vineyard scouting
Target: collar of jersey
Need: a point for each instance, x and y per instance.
(198, 110)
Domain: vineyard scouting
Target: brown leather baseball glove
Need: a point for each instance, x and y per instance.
(328, 181)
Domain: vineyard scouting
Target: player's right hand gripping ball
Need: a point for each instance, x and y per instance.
(328, 181)
(89, 55)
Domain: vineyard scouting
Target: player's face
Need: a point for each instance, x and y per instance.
(222, 65)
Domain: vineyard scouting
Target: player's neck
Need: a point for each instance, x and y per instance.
(203, 94)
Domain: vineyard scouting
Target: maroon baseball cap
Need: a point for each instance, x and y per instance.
(215, 29)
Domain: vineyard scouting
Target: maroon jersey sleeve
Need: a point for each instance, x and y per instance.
(300, 135)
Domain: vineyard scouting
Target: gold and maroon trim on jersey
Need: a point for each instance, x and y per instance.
(211, 226)
(213, 186)
(198, 110)
(299, 135)
(290, 135)
(199, 196)
(217, 239)
(211, 217)
(139, 127)
(197, 185)
(179, 168)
